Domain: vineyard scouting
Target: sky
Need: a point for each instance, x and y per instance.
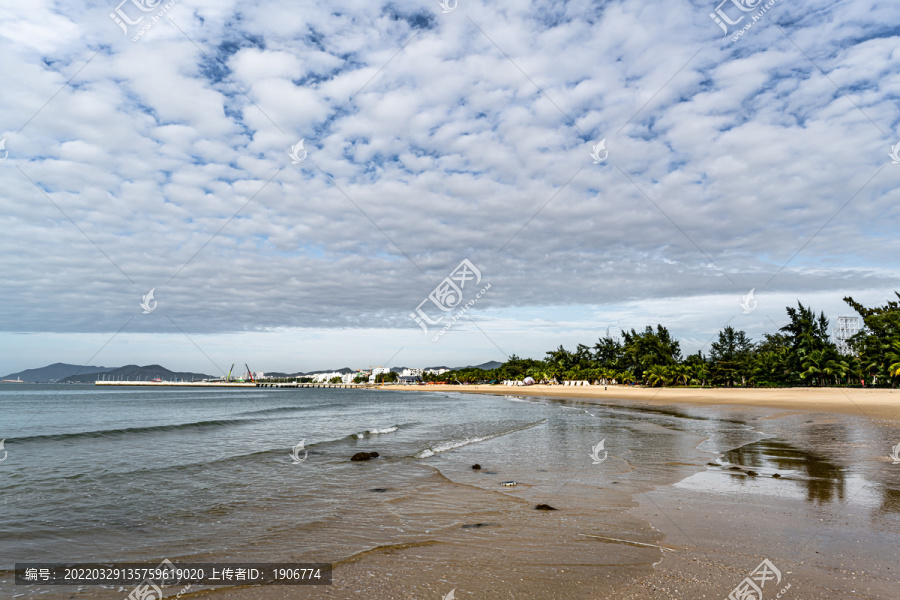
(475, 180)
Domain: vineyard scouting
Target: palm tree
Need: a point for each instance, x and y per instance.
(893, 357)
(767, 366)
(684, 373)
(818, 364)
(838, 368)
(624, 377)
(658, 374)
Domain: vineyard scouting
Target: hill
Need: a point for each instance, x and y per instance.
(135, 373)
(55, 372)
(491, 364)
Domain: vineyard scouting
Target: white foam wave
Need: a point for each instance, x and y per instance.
(391, 429)
(453, 444)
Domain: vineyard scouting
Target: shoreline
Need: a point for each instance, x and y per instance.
(871, 403)
(671, 540)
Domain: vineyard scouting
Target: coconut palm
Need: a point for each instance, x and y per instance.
(818, 365)
(658, 375)
(893, 357)
(624, 377)
(814, 363)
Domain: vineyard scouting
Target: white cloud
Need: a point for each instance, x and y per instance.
(446, 151)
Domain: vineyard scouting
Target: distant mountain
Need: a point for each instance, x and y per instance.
(135, 373)
(55, 372)
(491, 364)
(344, 370)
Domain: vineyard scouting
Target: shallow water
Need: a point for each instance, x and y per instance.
(125, 474)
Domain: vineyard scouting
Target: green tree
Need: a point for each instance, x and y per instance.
(658, 375)
(875, 342)
(730, 356)
(648, 348)
(608, 352)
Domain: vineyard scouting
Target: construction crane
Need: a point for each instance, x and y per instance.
(229, 372)
(249, 374)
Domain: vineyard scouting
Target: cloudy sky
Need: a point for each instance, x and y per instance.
(148, 145)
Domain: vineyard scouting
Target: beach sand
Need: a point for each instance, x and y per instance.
(830, 523)
(872, 403)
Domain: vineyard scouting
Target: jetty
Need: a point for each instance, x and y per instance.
(235, 384)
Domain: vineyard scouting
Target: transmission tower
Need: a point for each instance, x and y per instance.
(845, 328)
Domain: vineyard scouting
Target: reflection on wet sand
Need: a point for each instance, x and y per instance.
(890, 500)
(824, 481)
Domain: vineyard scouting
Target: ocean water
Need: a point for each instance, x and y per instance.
(142, 474)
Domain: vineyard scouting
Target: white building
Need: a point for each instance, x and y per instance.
(437, 371)
(411, 373)
(325, 377)
(378, 371)
(349, 377)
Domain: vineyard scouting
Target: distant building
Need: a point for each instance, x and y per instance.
(376, 372)
(325, 377)
(411, 373)
(437, 371)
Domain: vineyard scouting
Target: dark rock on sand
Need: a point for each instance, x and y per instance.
(776, 475)
(378, 490)
(476, 466)
(734, 468)
(374, 454)
(752, 473)
(475, 525)
(364, 455)
(544, 507)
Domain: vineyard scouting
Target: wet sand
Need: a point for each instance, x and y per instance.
(830, 522)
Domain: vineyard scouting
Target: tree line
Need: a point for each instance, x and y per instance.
(799, 354)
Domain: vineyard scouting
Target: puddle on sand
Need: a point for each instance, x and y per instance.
(801, 474)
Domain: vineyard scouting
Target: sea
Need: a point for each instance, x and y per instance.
(141, 474)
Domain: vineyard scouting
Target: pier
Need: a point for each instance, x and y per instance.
(235, 384)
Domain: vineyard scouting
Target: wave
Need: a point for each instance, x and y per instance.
(454, 444)
(278, 409)
(103, 433)
(369, 432)
(518, 399)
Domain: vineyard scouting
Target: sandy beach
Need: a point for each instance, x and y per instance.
(873, 403)
(815, 495)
